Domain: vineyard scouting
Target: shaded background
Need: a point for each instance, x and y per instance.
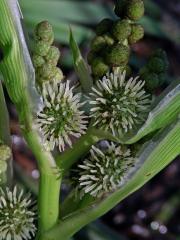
(152, 213)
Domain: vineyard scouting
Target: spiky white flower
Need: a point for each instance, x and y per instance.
(61, 117)
(16, 218)
(117, 104)
(104, 171)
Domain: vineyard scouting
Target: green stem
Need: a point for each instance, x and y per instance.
(15, 75)
(81, 147)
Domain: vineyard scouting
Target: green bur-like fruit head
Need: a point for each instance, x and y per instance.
(41, 48)
(5, 152)
(99, 68)
(53, 55)
(137, 33)
(38, 61)
(44, 32)
(98, 43)
(104, 26)
(152, 80)
(48, 71)
(118, 55)
(157, 65)
(121, 30)
(134, 9)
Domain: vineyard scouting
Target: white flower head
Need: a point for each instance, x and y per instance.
(16, 218)
(104, 171)
(61, 117)
(117, 104)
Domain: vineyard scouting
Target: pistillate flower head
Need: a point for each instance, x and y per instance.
(61, 117)
(118, 104)
(16, 218)
(104, 171)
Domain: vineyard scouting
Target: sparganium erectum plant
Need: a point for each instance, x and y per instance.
(109, 133)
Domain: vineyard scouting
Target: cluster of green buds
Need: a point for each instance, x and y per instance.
(45, 56)
(155, 72)
(5, 154)
(61, 118)
(111, 46)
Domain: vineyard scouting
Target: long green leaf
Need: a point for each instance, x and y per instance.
(80, 66)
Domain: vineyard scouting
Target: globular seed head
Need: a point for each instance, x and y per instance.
(99, 68)
(104, 26)
(90, 57)
(108, 39)
(157, 65)
(53, 55)
(98, 43)
(117, 55)
(134, 9)
(44, 32)
(137, 33)
(121, 30)
(16, 216)
(41, 48)
(152, 80)
(104, 170)
(119, 105)
(47, 71)
(58, 76)
(38, 61)
(5, 152)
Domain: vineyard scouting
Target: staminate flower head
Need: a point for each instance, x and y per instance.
(61, 117)
(16, 218)
(119, 105)
(104, 171)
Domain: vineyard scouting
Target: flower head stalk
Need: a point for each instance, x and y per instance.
(119, 105)
(61, 117)
(16, 218)
(104, 171)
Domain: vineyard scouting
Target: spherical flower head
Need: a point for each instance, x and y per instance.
(16, 218)
(121, 30)
(44, 32)
(137, 33)
(134, 9)
(61, 117)
(119, 105)
(53, 55)
(5, 152)
(99, 68)
(41, 48)
(117, 55)
(104, 171)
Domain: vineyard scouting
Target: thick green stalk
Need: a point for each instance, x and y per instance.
(17, 83)
(157, 155)
(81, 147)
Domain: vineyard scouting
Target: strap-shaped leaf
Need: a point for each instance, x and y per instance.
(160, 151)
(80, 65)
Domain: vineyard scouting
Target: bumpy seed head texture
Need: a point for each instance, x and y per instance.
(61, 117)
(105, 171)
(119, 105)
(16, 218)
